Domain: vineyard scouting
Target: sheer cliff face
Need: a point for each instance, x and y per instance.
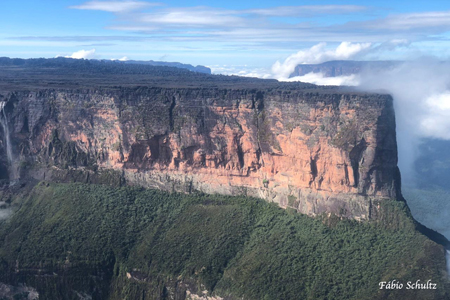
(314, 152)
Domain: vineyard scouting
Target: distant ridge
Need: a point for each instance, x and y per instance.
(61, 72)
(59, 61)
(199, 69)
(343, 67)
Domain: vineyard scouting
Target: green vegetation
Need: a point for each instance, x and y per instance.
(291, 200)
(84, 239)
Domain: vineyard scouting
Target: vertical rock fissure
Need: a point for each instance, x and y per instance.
(355, 157)
(258, 107)
(240, 153)
(346, 178)
(172, 107)
(314, 172)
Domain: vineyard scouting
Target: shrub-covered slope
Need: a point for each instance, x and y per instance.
(75, 240)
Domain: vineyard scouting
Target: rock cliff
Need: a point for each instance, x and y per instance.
(316, 151)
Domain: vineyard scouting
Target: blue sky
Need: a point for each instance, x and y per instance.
(232, 33)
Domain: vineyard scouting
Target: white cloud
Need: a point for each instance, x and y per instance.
(307, 10)
(120, 59)
(296, 11)
(421, 98)
(436, 122)
(320, 79)
(412, 21)
(86, 54)
(197, 16)
(216, 24)
(241, 70)
(114, 6)
(257, 28)
(318, 54)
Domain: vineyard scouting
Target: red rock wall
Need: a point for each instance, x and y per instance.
(314, 152)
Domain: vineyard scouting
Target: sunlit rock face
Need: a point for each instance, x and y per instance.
(317, 152)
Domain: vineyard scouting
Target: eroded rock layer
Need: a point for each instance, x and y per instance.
(316, 152)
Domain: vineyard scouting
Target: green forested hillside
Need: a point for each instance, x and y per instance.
(68, 240)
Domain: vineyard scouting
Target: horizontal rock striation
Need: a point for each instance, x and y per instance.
(316, 152)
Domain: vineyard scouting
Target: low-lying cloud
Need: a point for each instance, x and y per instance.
(241, 70)
(82, 54)
(318, 54)
(421, 92)
(120, 59)
(437, 123)
(321, 79)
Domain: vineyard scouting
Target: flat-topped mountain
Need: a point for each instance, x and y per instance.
(343, 67)
(315, 149)
(116, 183)
(199, 69)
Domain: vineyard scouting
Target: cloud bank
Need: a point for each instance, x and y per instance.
(267, 31)
(437, 122)
(321, 79)
(421, 92)
(241, 70)
(304, 23)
